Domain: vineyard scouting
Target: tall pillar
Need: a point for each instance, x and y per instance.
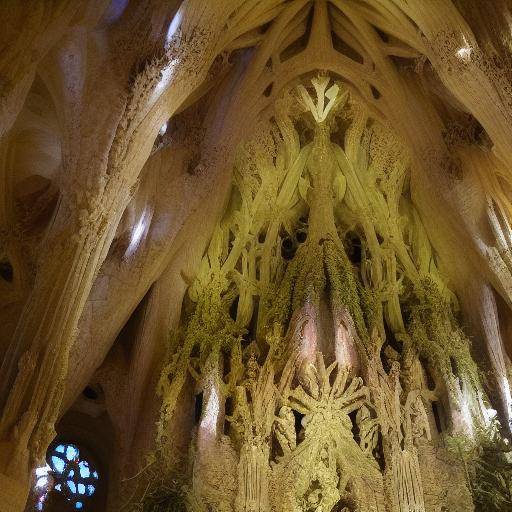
(13, 494)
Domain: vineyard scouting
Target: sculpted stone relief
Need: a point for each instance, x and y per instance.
(320, 332)
(313, 197)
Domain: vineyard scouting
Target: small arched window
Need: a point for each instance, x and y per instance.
(68, 477)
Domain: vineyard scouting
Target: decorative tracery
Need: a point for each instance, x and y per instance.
(328, 354)
(69, 474)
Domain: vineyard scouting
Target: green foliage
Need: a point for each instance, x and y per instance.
(210, 325)
(488, 464)
(310, 280)
(315, 268)
(370, 305)
(303, 281)
(492, 483)
(345, 288)
(436, 335)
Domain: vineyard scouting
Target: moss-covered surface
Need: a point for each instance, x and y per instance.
(210, 324)
(318, 268)
(208, 328)
(346, 290)
(247, 258)
(437, 337)
(303, 282)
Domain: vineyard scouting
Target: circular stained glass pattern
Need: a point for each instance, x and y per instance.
(69, 473)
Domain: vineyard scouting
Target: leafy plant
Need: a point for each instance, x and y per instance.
(492, 482)
(488, 465)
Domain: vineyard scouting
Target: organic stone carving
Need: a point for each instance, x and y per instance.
(311, 435)
(313, 197)
(403, 422)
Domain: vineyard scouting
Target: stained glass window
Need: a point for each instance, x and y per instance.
(69, 473)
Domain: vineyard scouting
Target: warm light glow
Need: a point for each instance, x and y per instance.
(309, 333)
(211, 413)
(173, 27)
(344, 348)
(165, 79)
(464, 53)
(508, 397)
(163, 129)
(138, 233)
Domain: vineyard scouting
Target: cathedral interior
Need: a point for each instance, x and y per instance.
(255, 255)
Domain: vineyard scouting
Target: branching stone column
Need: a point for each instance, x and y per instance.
(110, 152)
(38, 356)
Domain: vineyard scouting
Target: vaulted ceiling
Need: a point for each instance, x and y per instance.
(119, 128)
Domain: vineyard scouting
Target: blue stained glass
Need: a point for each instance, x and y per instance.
(71, 452)
(85, 472)
(58, 464)
(73, 475)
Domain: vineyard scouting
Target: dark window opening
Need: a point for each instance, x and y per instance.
(198, 407)
(382, 35)
(341, 46)
(228, 411)
(353, 248)
(384, 359)
(391, 339)
(355, 426)
(453, 365)
(233, 309)
(346, 504)
(379, 454)
(268, 90)
(288, 248)
(300, 43)
(265, 27)
(6, 271)
(431, 383)
(90, 393)
(437, 417)
(455, 371)
(298, 424)
(375, 92)
(196, 351)
(301, 236)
